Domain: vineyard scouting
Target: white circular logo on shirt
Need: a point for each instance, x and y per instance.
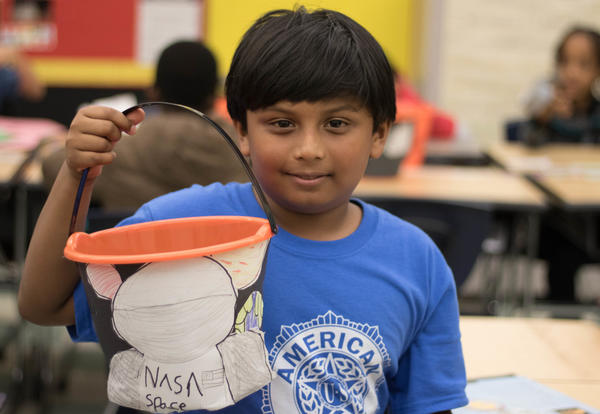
(325, 366)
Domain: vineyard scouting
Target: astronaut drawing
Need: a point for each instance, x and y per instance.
(194, 330)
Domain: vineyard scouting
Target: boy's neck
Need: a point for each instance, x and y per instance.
(331, 225)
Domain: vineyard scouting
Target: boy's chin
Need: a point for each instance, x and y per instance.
(312, 208)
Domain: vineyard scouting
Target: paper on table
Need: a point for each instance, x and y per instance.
(588, 171)
(517, 395)
(529, 164)
(26, 133)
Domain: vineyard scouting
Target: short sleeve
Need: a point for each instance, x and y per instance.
(431, 374)
(83, 330)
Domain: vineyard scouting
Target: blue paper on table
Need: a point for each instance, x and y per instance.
(518, 395)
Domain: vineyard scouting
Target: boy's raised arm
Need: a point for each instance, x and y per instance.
(48, 279)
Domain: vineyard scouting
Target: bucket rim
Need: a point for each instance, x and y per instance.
(71, 252)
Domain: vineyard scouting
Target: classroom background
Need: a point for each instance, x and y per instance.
(471, 60)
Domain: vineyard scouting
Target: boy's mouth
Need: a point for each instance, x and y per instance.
(308, 178)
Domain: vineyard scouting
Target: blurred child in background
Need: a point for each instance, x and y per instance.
(17, 79)
(566, 109)
(170, 150)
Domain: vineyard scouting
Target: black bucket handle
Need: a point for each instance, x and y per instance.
(221, 131)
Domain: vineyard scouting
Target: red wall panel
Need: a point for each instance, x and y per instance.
(86, 28)
(92, 28)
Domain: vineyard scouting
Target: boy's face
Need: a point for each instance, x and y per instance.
(309, 156)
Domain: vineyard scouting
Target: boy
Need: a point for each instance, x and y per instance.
(361, 312)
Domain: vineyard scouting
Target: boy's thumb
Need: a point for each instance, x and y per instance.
(135, 117)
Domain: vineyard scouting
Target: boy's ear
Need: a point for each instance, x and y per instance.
(242, 134)
(379, 139)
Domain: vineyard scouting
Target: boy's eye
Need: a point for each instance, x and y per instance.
(336, 123)
(282, 123)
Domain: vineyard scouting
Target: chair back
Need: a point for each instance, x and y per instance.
(513, 130)
(406, 143)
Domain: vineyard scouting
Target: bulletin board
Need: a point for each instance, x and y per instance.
(91, 43)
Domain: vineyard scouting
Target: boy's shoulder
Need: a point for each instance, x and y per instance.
(391, 225)
(395, 237)
(198, 200)
(196, 191)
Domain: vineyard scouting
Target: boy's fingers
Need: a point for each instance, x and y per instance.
(89, 142)
(98, 127)
(80, 160)
(108, 114)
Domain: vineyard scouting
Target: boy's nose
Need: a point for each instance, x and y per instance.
(310, 146)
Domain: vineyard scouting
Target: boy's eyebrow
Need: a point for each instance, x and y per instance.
(342, 107)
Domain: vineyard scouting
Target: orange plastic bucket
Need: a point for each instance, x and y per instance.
(177, 304)
(163, 240)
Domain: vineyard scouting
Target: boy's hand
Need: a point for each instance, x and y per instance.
(93, 134)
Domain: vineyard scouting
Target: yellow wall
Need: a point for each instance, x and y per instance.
(391, 22)
(394, 23)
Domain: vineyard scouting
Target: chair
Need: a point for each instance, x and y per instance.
(513, 130)
(32, 359)
(457, 229)
(407, 140)
(420, 118)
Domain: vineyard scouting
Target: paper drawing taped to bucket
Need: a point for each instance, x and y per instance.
(192, 327)
(177, 307)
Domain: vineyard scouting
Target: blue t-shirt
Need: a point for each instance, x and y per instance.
(377, 310)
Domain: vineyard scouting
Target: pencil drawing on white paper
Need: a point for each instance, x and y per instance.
(190, 349)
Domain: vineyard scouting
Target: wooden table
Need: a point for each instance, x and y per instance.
(576, 192)
(486, 186)
(23, 140)
(475, 185)
(561, 354)
(569, 173)
(520, 158)
(11, 161)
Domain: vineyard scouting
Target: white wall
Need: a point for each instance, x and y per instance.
(491, 51)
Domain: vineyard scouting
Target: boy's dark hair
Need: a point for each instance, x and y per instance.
(187, 74)
(591, 34)
(296, 55)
